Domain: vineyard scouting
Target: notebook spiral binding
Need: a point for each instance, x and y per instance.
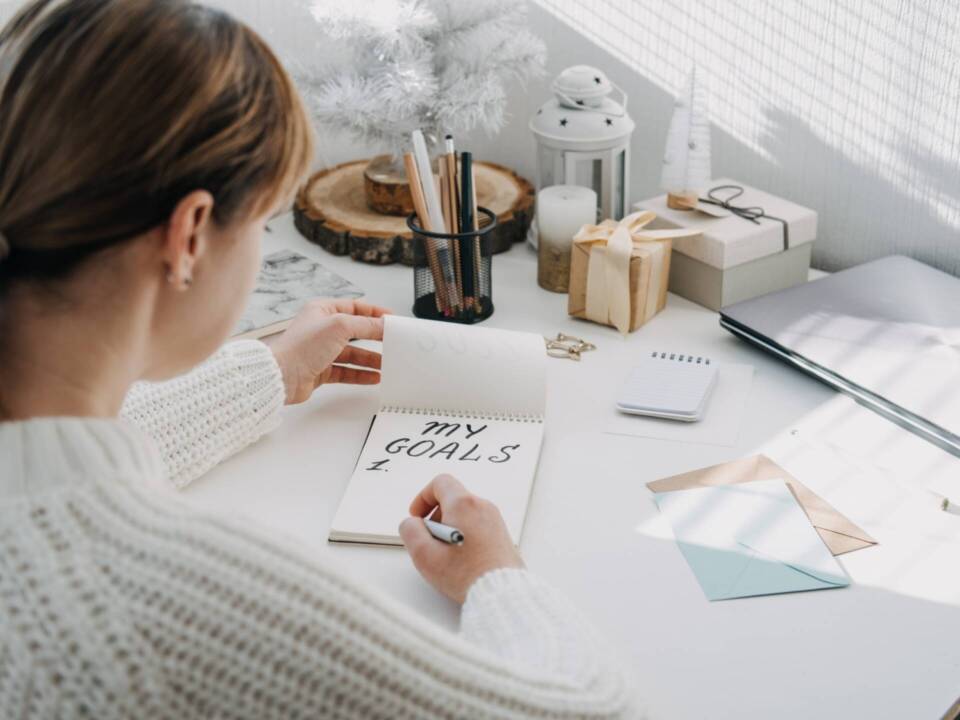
(460, 414)
(693, 360)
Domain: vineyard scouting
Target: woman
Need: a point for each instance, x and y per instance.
(143, 144)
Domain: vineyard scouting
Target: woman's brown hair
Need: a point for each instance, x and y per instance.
(111, 111)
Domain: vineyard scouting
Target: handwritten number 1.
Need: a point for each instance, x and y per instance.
(378, 465)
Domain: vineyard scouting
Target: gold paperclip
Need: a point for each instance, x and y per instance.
(581, 344)
(567, 346)
(559, 350)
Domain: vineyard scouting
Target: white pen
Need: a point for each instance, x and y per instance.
(444, 532)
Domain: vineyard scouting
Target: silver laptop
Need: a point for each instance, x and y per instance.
(886, 332)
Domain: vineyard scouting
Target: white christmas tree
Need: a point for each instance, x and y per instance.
(686, 159)
(437, 65)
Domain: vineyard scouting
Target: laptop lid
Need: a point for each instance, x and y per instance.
(886, 332)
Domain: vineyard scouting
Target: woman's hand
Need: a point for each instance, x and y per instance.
(315, 348)
(452, 569)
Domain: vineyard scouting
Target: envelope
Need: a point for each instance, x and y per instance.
(749, 539)
(839, 533)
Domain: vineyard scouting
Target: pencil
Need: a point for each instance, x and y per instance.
(450, 257)
(449, 219)
(451, 159)
(432, 204)
(448, 161)
(416, 192)
(476, 241)
(445, 198)
(466, 223)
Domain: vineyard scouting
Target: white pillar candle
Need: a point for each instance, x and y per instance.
(561, 211)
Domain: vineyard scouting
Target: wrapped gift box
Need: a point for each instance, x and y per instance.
(732, 258)
(621, 284)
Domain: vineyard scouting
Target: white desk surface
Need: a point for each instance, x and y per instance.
(887, 647)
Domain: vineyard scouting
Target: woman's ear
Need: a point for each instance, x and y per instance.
(185, 237)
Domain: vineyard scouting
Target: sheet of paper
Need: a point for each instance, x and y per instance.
(495, 459)
(721, 420)
(749, 539)
(462, 368)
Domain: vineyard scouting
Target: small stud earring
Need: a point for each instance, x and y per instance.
(187, 280)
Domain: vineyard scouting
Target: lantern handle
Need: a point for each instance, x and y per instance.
(581, 106)
(623, 93)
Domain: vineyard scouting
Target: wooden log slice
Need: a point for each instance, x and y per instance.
(331, 210)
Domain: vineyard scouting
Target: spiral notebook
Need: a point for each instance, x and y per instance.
(457, 399)
(669, 385)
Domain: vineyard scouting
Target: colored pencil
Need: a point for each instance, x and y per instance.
(432, 200)
(448, 161)
(419, 204)
(476, 241)
(445, 198)
(466, 223)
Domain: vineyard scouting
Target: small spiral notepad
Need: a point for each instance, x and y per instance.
(669, 385)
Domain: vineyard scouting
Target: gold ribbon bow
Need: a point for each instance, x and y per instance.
(608, 272)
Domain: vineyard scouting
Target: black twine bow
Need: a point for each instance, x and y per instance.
(754, 213)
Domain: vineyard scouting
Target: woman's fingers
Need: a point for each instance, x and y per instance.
(424, 549)
(355, 307)
(442, 490)
(352, 355)
(367, 310)
(350, 376)
(313, 350)
(453, 569)
(358, 327)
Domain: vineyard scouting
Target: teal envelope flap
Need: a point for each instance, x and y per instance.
(717, 570)
(748, 540)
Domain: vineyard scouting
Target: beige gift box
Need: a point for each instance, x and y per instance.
(734, 259)
(619, 272)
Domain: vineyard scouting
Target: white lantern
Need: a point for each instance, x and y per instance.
(583, 138)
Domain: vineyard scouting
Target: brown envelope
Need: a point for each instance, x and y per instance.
(838, 532)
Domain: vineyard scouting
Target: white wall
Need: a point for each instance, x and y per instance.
(848, 107)
(852, 108)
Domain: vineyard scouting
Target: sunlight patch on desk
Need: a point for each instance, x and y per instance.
(885, 479)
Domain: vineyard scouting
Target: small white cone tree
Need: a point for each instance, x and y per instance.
(686, 158)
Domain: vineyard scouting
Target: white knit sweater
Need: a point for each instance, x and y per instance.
(116, 602)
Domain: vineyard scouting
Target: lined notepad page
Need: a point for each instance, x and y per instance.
(669, 385)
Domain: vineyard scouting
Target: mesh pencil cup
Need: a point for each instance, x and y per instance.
(451, 272)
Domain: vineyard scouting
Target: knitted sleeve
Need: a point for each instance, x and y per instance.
(255, 629)
(200, 418)
(524, 620)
